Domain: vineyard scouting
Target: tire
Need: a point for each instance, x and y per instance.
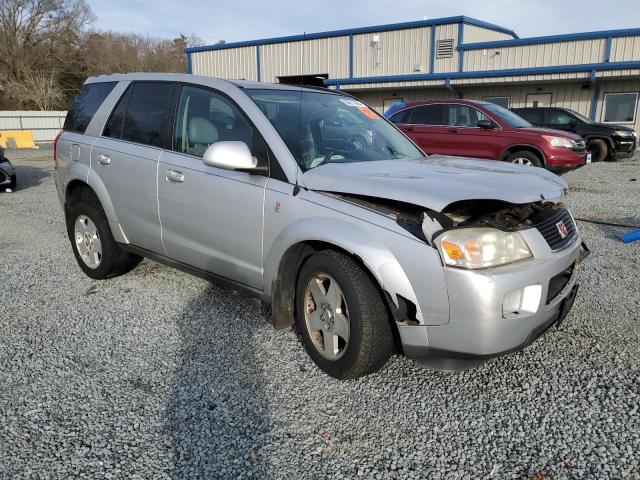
(525, 157)
(91, 238)
(369, 341)
(598, 150)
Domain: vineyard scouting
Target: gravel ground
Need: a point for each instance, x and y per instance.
(158, 374)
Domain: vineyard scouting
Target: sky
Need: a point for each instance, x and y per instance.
(231, 21)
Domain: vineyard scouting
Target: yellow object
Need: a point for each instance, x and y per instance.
(22, 138)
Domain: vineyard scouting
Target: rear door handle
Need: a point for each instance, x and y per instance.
(452, 130)
(174, 176)
(407, 129)
(104, 159)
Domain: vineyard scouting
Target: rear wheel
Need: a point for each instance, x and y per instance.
(598, 150)
(96, 252)
(342, 317)
(524, 157)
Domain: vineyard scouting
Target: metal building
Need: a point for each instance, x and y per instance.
(594, 73)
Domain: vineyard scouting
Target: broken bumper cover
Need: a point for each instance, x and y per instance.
(479, 328)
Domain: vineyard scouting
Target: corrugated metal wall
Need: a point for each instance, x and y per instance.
(376, 100)
(446, 32)
(624, 48)
(473, 34)
(397, 52)
(524, 56)
(321, 56)
(44, 125)
(231, 63)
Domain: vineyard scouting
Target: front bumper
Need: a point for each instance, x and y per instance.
(479, 328)
(565, 158)
(624, 147)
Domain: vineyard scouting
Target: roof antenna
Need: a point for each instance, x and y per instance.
(296, 187)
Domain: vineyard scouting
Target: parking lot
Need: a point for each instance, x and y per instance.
(158, 374)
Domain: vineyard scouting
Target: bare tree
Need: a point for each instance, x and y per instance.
(33, 32)
(39, 90)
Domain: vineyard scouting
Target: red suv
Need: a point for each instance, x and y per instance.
(471, 128)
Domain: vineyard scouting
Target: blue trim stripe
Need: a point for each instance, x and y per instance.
(630, 32)
(594, 102)
(258, 62)
(607, 48)
(351, 56)
(432, 60)
(354, 31)
(460, 42)
(587, 67)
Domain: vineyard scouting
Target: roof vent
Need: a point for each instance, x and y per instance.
(444, 48)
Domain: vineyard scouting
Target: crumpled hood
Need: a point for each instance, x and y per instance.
(437, 181)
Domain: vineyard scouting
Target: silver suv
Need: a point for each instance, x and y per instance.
(368, 248)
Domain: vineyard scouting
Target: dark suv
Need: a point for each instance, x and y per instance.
(469, 128)
(604, 140)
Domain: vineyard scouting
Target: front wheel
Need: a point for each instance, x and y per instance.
(342, 316)
(598, 150)
(526, 158)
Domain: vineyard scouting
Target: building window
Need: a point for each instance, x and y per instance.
(620, 107)
(502, 101)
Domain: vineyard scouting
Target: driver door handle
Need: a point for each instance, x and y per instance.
(407, 129)
(104, 159)
(452, 130)
(174, 176)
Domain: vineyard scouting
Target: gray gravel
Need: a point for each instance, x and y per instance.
(158, 374)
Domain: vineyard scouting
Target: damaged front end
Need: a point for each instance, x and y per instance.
(426, 224)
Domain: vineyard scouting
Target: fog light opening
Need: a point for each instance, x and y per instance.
(525, 300)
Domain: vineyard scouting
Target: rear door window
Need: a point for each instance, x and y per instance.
(148, 112)
(429, 115)
(85, 105)
(531, 115)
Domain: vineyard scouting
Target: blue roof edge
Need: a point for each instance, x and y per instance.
(355, 31)
(587, 67)
(627, 32)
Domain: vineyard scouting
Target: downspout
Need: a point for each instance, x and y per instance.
(448, 86)
(594, 98)
(189, 65)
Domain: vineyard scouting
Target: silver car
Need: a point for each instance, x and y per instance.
(370, 250)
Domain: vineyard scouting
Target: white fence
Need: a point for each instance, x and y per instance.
(44, 125)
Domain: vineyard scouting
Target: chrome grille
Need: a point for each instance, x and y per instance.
(550, 229)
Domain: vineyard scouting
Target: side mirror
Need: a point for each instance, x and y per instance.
(486, 124)
(232, 156)
(573, 125)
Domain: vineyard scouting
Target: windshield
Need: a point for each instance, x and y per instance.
(580, 116)
(507, 116)
(321, 128)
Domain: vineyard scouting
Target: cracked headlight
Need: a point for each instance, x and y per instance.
(481, 247)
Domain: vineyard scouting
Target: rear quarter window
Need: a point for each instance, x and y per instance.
(147, 113)
(85, 105)
(531, 115)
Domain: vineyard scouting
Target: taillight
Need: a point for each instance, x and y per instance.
(55, 150)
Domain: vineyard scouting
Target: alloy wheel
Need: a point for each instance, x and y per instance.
(88, 241)
(326, 316)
